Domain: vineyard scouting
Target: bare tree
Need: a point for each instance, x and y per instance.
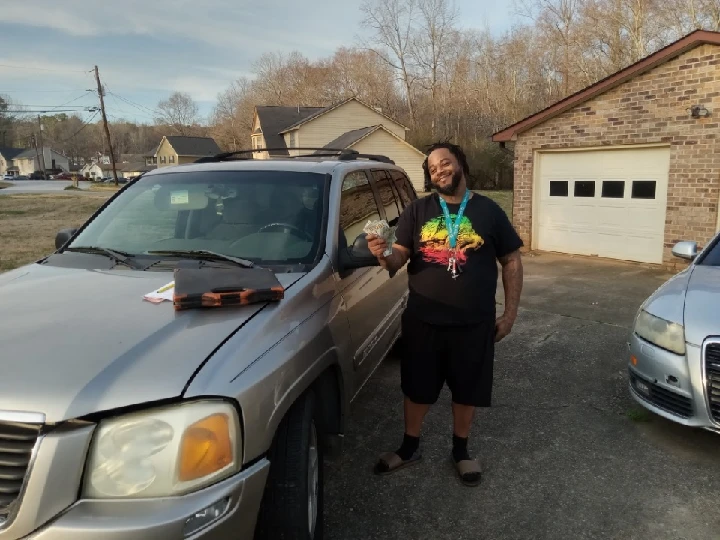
(232, 117)
(392, 22)
(179, 112)
(430, 47)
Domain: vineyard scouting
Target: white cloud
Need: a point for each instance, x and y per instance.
(276, 24)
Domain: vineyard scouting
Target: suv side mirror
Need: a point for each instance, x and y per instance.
(685, 250)
(63, 237)
(358, 255)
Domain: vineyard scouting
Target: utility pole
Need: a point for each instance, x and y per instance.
(33, 141)
(41, 164)
(104, 117)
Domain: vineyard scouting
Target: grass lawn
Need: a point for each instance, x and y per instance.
(5, 184)
(105, 187)
(29, 223)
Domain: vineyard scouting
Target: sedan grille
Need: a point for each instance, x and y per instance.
(661, 397)
(17, 441)
(712, 379)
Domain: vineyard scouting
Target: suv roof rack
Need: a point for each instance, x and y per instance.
(342, 154)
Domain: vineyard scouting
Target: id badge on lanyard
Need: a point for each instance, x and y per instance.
(453, 230)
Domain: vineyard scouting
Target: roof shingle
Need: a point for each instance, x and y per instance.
(274, 119)
(194, 146)
(349, 138)
(10, 153)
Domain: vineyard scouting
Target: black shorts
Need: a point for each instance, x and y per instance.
(462, 356)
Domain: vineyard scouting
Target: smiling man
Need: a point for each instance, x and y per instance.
(452, 240)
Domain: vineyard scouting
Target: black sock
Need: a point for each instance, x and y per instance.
(409, 446)
(460, 451)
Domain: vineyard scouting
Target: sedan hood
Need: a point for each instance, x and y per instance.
(702, 316)
(668, 301)
(75, 342)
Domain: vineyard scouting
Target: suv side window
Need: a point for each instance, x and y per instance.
(357, 205)
(404, 187)
(388, 197)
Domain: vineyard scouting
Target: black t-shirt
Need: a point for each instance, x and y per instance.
(485, 235)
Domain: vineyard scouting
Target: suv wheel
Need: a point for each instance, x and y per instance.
(292, 507)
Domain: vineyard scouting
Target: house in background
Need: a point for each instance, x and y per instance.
(150, 159)
(98, 169)
(178, 150)
(6, 160)
(134, 165)
(27, 162)
(350, 124)
(627, 167)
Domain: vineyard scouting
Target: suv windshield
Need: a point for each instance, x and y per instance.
(267, 217)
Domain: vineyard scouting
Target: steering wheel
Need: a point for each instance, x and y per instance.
(290, 228)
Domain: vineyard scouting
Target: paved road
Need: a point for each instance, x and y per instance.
(563, 456)
(40, 186)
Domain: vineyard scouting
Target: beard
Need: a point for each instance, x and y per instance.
(452, 188)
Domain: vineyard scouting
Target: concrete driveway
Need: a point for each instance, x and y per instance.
(40, 186)
(566, 453)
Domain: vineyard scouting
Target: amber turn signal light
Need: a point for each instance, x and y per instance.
(205, 448)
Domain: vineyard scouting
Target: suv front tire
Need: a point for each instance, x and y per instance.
(293, 505)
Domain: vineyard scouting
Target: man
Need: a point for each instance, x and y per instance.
(452, 240)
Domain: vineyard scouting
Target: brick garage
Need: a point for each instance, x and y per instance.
(635, 128)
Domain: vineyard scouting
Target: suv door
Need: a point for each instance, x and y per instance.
(372, 301)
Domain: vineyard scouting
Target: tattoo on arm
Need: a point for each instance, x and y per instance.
(512, 276)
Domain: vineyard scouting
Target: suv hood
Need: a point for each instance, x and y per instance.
(75, 342)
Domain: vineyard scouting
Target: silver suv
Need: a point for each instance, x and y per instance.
(125, 419)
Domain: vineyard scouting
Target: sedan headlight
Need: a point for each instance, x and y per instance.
(164, 452)
(665, 334)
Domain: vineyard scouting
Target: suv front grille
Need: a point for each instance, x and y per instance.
(712, 379)
(17, 441)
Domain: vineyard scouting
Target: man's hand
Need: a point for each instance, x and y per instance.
(377, 245)
(503, 326)
(393, 262)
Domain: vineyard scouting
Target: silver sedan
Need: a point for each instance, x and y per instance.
(674, 364)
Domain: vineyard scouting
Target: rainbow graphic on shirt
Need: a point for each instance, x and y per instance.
(435, 244)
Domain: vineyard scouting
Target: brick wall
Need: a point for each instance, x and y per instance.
(651, 108)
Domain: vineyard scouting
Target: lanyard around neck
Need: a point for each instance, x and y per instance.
(454, 228)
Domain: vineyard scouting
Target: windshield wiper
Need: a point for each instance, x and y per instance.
(204, 254)
(118, 256)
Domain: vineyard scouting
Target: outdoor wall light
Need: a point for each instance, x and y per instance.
(699, 111)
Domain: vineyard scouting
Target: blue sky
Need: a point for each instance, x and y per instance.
(146, 49)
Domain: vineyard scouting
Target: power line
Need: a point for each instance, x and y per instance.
(73, 90)
(86, 109)
(56, 106)
(45, 69)
(86, 124)
(136, 105)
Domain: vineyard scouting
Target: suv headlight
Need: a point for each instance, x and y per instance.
(665, 334)
(164, 452)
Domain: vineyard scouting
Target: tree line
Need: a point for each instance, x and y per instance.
(421, 66)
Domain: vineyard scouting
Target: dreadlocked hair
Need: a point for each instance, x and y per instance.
(454, 149)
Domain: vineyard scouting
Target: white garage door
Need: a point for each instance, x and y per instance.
(609, 203)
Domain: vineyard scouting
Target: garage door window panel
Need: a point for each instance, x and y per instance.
(559, 188)
(613, 189)
(644, 189)
(584, 188)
